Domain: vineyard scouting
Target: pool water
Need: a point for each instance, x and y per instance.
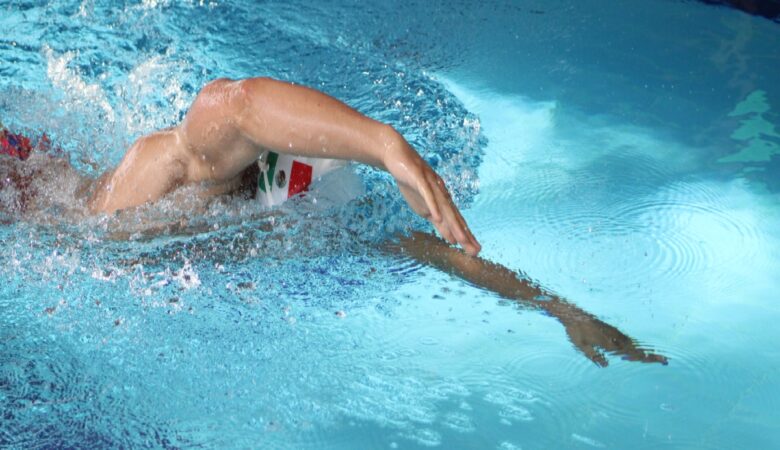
(625, 156)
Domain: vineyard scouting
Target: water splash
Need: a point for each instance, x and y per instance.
(78, 93)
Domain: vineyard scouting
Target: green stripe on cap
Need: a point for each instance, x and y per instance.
(270, 173)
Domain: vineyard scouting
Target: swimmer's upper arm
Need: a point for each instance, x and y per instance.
(147, 172)
(290, 118)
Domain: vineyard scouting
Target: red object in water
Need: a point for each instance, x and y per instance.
(16, 145)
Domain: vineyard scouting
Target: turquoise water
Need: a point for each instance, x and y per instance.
(625, 156)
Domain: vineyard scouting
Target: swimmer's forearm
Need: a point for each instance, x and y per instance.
(290, 118)
(496, 278)
(430, 250)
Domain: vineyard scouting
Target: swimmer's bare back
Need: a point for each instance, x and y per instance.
(231, 123)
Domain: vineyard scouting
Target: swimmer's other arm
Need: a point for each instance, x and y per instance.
(294, 119)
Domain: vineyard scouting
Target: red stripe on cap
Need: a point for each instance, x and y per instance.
(300, 178)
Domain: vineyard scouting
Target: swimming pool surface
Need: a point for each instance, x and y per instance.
(625, 155)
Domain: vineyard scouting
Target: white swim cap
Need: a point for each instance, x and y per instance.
(283, 176)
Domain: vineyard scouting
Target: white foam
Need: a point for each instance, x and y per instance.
(154, 4)
(425, 437)
(586, 440)
(506, 445)
(157, 75)
(187, 276)
(77, 91)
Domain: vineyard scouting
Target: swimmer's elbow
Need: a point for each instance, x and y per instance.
(252, 91)
(261, 85)
(252, 107)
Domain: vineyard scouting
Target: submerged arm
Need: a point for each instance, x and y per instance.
(288, 118)
(589, 334)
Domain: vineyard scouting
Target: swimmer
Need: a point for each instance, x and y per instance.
(231, 124)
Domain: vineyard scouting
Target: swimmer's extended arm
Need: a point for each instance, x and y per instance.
(288, 118)
(589, 334)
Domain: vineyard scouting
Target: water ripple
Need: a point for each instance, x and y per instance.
(684, 230)
(691, 230)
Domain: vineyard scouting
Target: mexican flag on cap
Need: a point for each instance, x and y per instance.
(283, 176)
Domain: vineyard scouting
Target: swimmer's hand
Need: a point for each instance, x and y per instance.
(594, 337)
(427, 194)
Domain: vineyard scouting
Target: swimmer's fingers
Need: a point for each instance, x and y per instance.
(453, 227)
(435, 205)
(628, 348)
(472, 246)
(594, 355)
(655, 357)
(645, 356)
